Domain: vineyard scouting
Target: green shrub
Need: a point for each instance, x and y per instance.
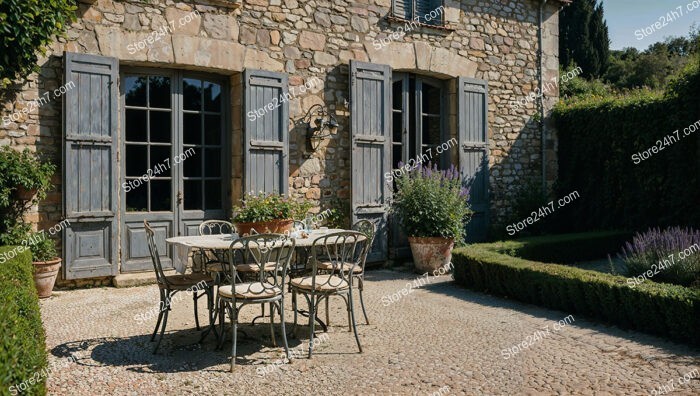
(431, 203)
(661, 309)
(268, 207)
(42, 247)
(22, 345)
(20, 170)
(26, 27)
(597, 141)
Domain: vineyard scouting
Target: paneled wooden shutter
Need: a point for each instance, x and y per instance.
(403, 9)
(266, 134)
(370, 127)
(472, 96)
(90, 166)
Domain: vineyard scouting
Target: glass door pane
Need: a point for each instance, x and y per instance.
(148, 134)
(202, 135)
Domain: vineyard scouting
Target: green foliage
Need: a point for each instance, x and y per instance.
(654, 67)
(597, 140)
(583, 37)
(20, 170)
(338, 215)
(267, 207)
(431, 203)
(666, 310)
(42, 248)
(26, 27)
(581, 87)
(22, 345)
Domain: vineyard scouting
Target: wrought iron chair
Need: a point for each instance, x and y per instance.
(215, 227)
(211, 261)
(268, 288)
(339, 248)
(357, 266)
(172, 284)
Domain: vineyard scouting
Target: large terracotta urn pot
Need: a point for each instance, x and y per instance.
(265, 227)
(45, 273)
(432, 253)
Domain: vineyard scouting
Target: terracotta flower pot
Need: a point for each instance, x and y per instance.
(430, 254)
(263, 227)
(45, 273)
(23, 194)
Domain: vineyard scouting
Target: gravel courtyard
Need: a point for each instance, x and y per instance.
(438, 339)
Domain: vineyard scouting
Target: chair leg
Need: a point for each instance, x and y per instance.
(222, 320)
(272, 324)
(294, 308)
(354, 326)
(347, 305)
(234, 330)
(312, 322)
(328, 315)
(362, 300)
(161, 305)
(284, 330)
(196, 313)
(162, 330)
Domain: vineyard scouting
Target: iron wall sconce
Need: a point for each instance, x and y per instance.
(320, 125)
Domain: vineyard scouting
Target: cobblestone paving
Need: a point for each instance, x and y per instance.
(438, 339)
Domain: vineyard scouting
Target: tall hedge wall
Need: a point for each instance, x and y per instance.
(597, 138)
(22, 345)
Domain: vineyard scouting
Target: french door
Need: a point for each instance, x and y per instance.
(174, 157)
(418, 105)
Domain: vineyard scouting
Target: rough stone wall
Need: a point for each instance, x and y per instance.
(492, 40)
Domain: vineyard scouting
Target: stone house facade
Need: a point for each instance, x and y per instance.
(233, 82)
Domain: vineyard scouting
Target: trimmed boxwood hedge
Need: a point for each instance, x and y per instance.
(661, 309)
(22, 345)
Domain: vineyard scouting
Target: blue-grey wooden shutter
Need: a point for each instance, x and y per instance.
(472, 97)
(266, 132)
(370, 127)
(90, 166)
(403, 9)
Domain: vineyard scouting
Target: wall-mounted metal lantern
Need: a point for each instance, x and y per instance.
(320, 125)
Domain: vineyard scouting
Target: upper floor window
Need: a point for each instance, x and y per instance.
(429, 12)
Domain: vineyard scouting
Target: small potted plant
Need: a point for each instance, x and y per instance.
(432, 208)
(264, 213)
(46, 263)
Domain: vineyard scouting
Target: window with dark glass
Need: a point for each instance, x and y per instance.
(429, 12)
(417, 123)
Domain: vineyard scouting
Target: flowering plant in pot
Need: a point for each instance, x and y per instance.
(432, 207)
(46, 262)
(268, 213)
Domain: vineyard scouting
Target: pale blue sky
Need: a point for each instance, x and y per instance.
(625, 17)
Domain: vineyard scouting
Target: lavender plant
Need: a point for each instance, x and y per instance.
(665, 254)
(429, 202)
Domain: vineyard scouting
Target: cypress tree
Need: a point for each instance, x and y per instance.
(583, 37)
